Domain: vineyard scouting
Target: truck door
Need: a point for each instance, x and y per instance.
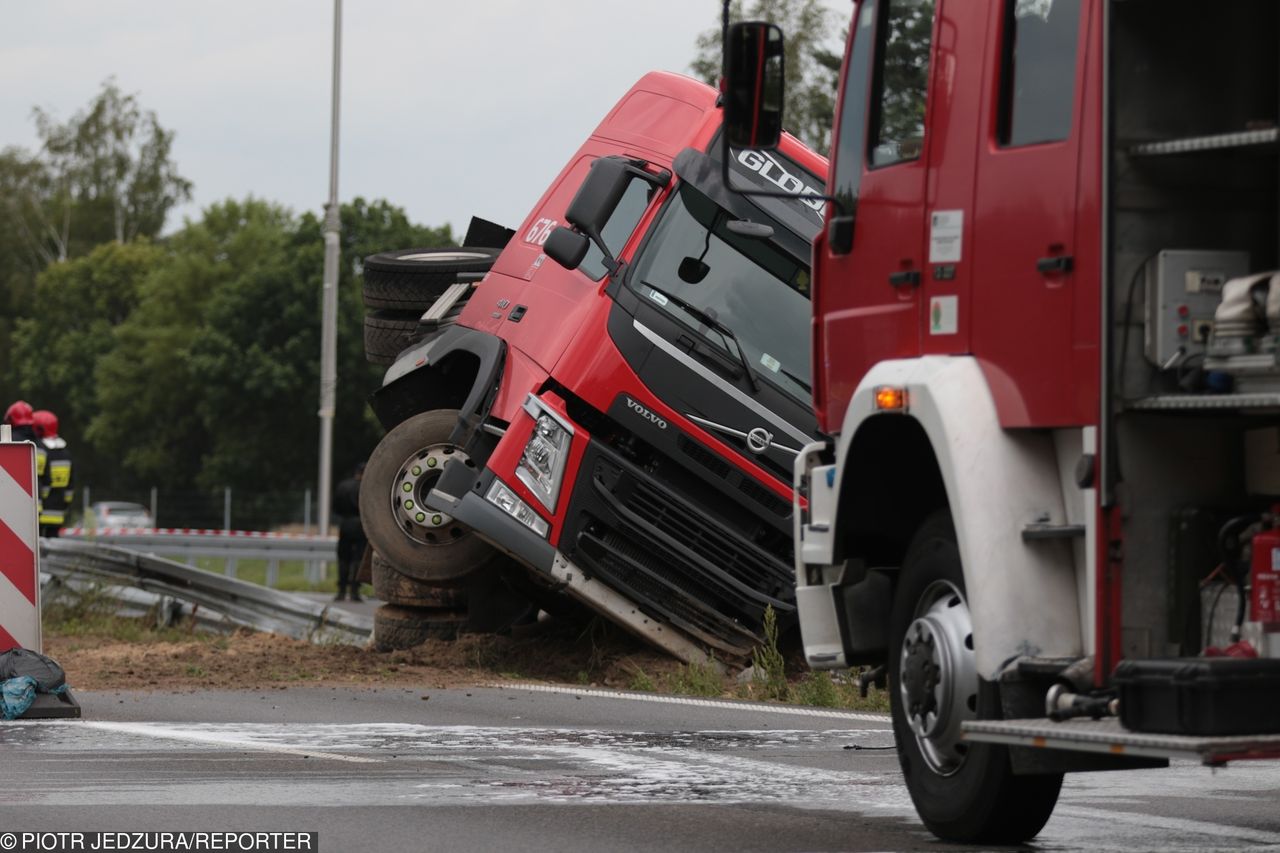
(869, 289)
(1024, 232)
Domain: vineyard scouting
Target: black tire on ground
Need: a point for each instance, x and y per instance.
(976, 798)
(434, 548)
(397, 588)
(405, 627)
(411, 279)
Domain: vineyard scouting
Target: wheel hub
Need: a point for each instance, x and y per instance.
(415, 480)
(939, 676)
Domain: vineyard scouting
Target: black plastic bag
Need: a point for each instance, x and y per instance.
(45, 670)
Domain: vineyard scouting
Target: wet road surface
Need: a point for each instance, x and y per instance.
(560, 770)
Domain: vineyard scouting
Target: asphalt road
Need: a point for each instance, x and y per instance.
(521, 769)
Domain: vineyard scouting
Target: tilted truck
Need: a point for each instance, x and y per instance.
(1045, 330)
(619, 405)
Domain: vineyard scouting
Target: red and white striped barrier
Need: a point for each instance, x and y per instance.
(19, 548)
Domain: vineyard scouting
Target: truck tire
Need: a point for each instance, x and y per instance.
(411, 279)
(405, 627)
(426, 546)
(387, 334)
(962, 791)
(394, 587)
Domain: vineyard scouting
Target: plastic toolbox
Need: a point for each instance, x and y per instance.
(1200, 696)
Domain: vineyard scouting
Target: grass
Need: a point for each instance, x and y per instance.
(89, 615)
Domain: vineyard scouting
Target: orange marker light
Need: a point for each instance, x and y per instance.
(890, 399)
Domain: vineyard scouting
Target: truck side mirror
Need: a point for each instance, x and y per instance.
(566, 247)
(753, 85)
(595, 201)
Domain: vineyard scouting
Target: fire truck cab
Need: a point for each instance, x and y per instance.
(1045, 327)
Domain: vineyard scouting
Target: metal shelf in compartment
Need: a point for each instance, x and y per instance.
(1215, 142)
(1205, 402)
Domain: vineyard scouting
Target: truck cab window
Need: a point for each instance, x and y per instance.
(851, 139)
(619, 227)
(902, 80)
(1038, 73)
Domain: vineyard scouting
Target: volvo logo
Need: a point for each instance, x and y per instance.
(759, 440)
(645, 413)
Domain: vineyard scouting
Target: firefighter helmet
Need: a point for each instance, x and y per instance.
(45, 422)
(19, 414)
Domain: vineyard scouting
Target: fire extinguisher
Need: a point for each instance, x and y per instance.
(1264, 576)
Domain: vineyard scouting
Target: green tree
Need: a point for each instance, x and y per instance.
(213, 379)
(79, 306)
(105, 174)
(152, 404)
(812, 68)
(110, 174)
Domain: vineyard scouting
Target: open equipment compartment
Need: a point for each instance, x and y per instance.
(1193, 201)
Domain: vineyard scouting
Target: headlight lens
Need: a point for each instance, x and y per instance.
(541, 466)
(507, 501)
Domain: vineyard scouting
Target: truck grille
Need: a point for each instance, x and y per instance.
(671, 557)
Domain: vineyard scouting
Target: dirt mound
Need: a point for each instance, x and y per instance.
(99, 658)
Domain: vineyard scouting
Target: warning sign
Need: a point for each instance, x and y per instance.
(946, 236)
(944, 315)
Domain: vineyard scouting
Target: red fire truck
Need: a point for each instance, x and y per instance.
(1045, 349)
(620, 402)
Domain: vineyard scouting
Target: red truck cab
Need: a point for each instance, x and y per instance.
(624, 417)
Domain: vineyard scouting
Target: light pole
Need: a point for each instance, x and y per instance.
(329, 320)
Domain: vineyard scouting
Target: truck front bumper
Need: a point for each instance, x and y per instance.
(461, 491)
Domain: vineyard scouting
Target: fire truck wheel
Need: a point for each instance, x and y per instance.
(405, 627)
(411, 279)
(962, 791)
(395, 587)
(419, 542)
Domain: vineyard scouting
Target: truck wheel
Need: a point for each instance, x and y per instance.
(411, 279)
(425, 545)
(962, 791)
(397, 588)
(405, 627)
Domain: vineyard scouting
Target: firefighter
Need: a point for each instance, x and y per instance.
(55, 487)
(19, 418)
(351, 538)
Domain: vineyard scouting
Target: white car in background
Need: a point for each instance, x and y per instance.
(120, 514)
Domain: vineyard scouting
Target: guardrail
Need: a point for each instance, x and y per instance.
(81, 564)
(232, 546)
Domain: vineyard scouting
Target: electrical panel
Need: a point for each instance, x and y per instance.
(1184, 288)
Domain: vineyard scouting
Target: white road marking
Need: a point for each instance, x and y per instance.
(1100, 817)
(214, 738)
(725, 704)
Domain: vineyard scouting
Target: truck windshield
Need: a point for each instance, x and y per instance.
(748, 285)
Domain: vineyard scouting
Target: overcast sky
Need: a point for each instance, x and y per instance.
(448, 108)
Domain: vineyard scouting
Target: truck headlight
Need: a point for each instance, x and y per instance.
(509, 502)
(541, 466)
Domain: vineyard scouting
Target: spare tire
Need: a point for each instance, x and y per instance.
(387, 334)
(395, 587)
(412, 279)
(405, 627)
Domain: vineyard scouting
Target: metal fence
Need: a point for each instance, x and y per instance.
(80, 564)
(316, 553)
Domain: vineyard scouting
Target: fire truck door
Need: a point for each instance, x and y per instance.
(870, 304)
(1024, 229)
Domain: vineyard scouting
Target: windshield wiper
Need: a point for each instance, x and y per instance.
(724, 331)
(796, 379)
